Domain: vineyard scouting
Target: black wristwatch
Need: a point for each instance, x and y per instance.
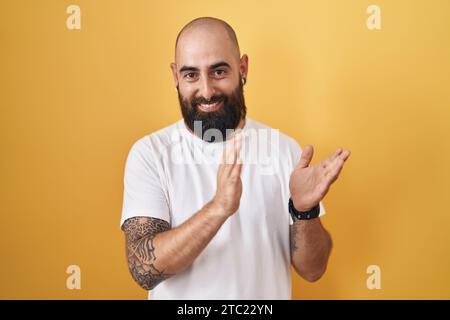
(306, 215)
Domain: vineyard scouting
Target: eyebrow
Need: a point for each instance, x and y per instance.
(211, 67)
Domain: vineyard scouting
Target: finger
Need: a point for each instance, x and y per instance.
(235, 145)
(336, 174)
(231, 154)
(345, 155)
(231, 151)
(342, 155)
(332, 166)
(327, 162)
(237, 165)
(335, 170)
(238, 147)
(236, 171)
(225, 154)
(336, 153)
(227, 157)
(306, 156)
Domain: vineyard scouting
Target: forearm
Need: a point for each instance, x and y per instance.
(176, 249)
(155, 252)
(310, 248)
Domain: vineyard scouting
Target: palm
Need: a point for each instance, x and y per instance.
(309, 184)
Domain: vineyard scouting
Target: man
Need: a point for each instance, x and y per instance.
(228, 229)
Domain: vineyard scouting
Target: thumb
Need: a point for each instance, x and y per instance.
(306, 157)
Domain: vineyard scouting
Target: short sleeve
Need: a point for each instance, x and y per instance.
(296, 154)
(143, 193)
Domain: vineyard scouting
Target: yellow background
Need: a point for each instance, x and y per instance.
(73, 103)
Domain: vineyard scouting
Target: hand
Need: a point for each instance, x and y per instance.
(229, 184)
(309, 184)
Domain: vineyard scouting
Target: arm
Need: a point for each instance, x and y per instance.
(155, 252)
(310, 248)
(310, 242)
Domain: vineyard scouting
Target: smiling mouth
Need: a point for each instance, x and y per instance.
(210, 107)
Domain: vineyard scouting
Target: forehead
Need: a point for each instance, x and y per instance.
(202, 48)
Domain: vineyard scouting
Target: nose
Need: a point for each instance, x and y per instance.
(206, 88)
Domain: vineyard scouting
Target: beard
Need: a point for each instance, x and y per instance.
(227, 117)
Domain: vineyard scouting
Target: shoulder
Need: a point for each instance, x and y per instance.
(157, 141)
(150, 147)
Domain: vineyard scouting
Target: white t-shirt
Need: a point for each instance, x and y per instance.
(171, 174)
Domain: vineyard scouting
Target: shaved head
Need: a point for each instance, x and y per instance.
(209, 24)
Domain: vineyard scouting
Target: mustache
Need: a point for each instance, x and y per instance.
(213, 99)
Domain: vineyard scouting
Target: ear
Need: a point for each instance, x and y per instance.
(173, 66)
(243, 66)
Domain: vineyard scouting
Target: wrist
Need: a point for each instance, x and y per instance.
(303, 214)
(217, 210)
(300, 207)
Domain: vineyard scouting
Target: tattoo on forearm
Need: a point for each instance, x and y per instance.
(139, 233)
(293, 236)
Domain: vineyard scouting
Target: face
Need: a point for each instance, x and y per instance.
(221, 112)
(208, 74)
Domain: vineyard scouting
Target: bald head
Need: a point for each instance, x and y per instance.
(205, 29)
(209, 75)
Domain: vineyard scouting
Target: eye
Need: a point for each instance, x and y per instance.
(190, 75)
(219, 72)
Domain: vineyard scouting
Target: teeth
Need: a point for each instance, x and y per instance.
(209, 106)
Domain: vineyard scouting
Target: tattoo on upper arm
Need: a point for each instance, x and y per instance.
(139, 233)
